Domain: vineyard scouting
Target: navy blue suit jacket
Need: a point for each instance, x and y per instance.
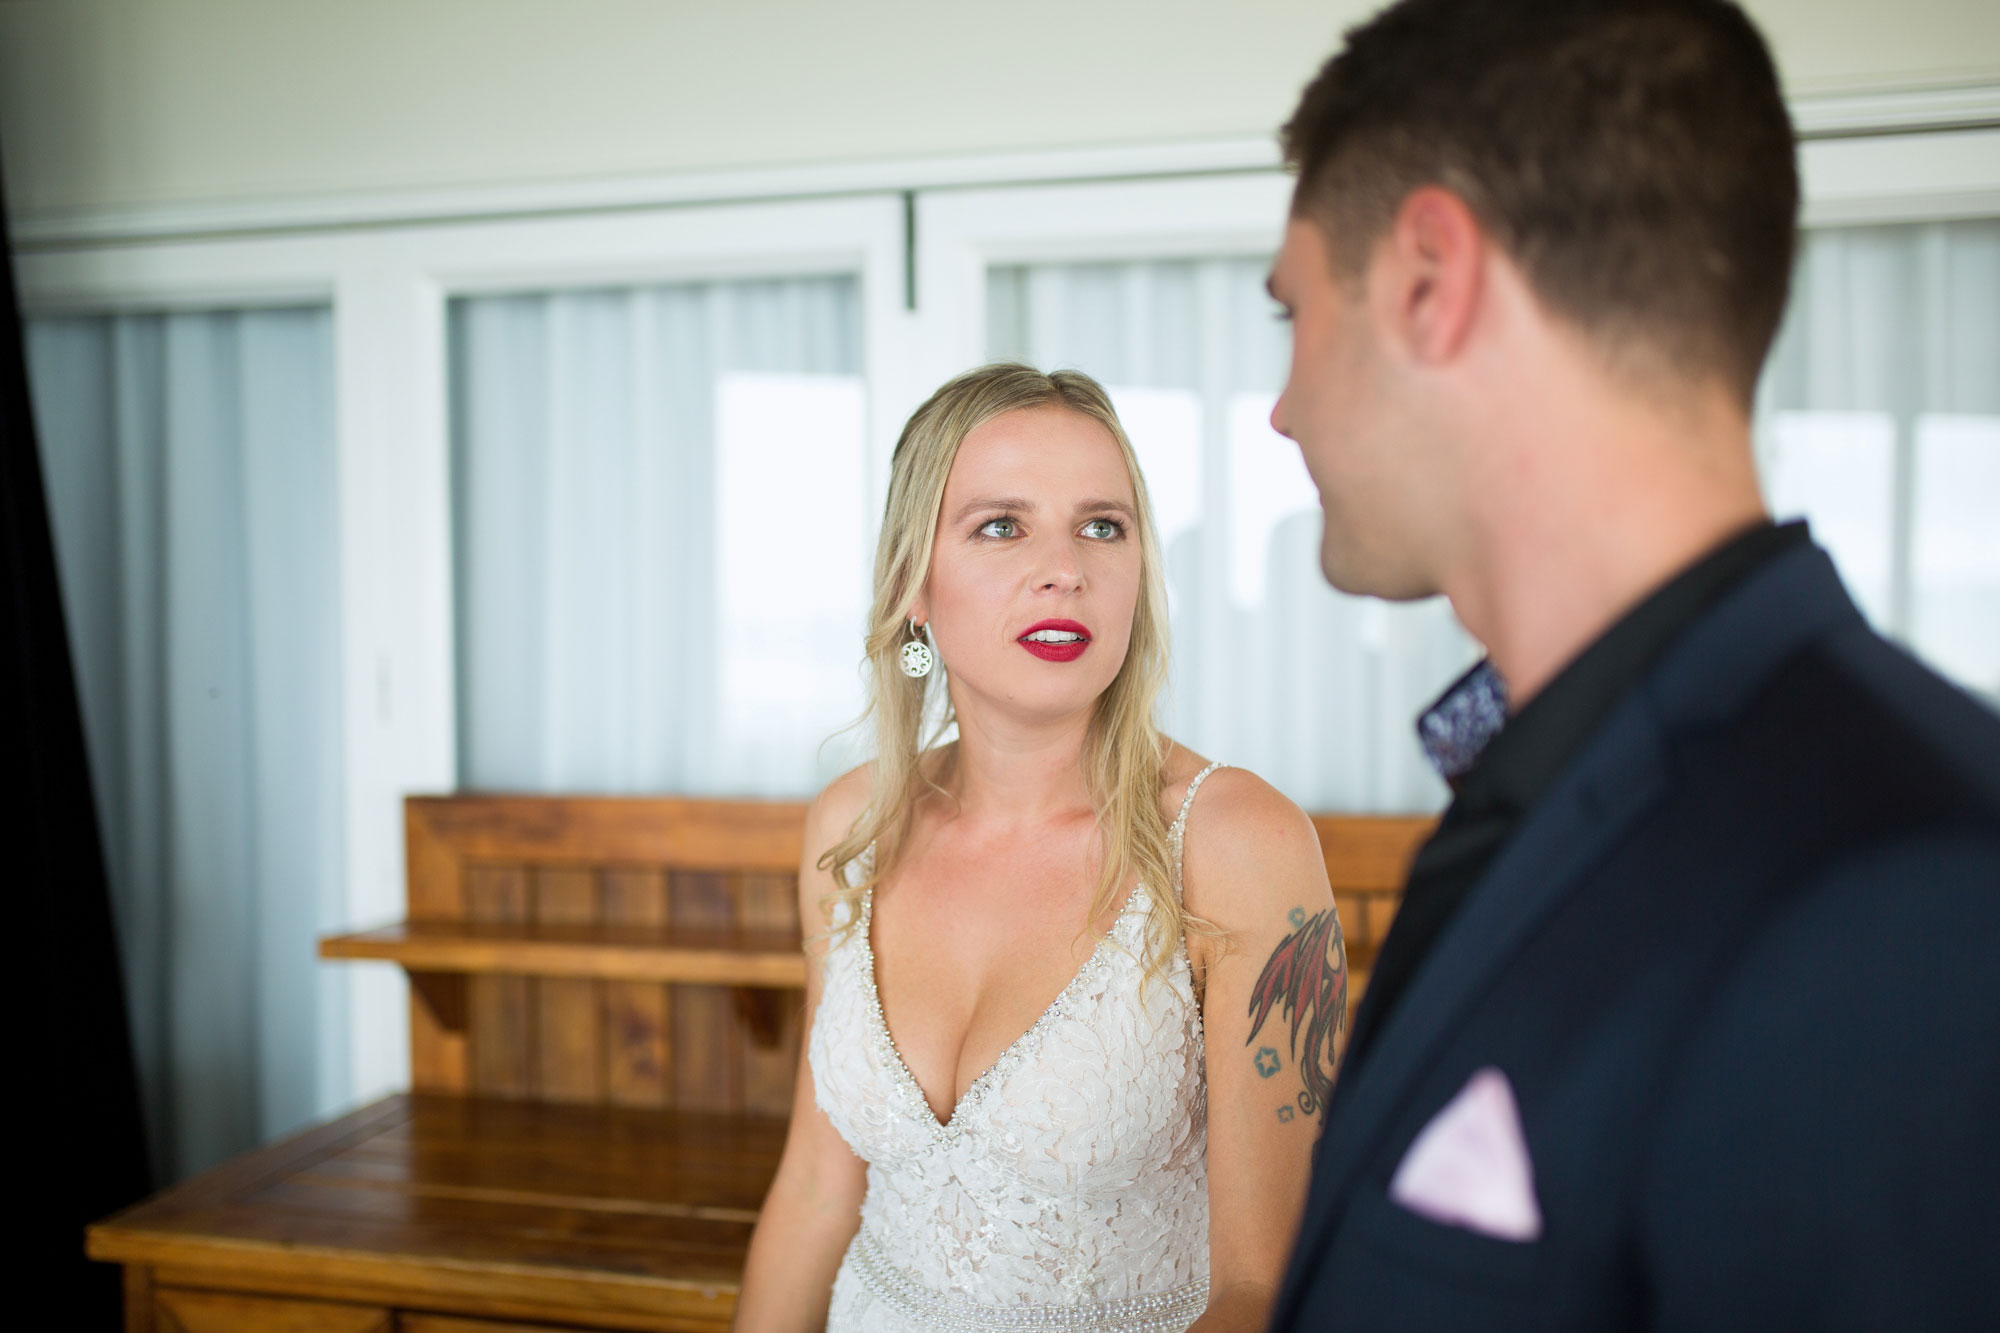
(1742, 969)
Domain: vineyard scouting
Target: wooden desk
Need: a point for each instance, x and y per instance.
(483, 1209)
(604, 1034)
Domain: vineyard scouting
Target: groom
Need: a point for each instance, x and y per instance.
(1691, 1016)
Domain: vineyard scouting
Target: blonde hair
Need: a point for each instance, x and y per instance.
(1124, 754)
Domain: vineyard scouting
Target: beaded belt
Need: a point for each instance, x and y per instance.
(1162, 1312)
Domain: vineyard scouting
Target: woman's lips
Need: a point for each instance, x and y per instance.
(1062, 641)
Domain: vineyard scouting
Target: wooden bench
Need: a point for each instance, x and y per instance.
(604, 1036)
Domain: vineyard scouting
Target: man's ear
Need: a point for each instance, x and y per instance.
(1427, 275)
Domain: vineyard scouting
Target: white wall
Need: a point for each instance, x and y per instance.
(137, 102)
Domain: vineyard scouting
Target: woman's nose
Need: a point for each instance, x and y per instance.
(1060, 570)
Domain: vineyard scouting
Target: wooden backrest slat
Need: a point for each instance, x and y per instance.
(674, 832)
(1367, 859)
(1369, 853)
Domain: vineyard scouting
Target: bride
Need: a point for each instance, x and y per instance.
(1069, 1028)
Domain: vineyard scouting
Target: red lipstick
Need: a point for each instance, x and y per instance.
(1059, 646)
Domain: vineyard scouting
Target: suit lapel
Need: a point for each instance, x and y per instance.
(1585, 815)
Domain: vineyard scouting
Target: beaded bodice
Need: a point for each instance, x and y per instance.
(1069, 1186)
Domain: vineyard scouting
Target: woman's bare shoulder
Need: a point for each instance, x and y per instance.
(1228, 796)
(1179, 768)
(829, 819)
(1246, 841)
(833, 813)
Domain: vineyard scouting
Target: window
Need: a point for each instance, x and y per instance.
(1879, 421)
(660, 522)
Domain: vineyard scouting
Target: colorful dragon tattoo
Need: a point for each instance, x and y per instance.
(1306, 979)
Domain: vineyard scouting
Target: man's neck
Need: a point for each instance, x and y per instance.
(1588, 517)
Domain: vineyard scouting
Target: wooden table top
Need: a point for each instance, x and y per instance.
(524, 1209)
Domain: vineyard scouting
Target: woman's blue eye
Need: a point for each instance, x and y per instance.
(1102, 528)
(998, 527)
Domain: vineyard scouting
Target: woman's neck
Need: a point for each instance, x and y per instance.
(1008, 772)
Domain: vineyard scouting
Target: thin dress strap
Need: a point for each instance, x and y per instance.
(1177, 831)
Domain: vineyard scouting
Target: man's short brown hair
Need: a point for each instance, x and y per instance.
(1633, 157)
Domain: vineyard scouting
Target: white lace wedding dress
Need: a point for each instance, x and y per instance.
(1069, 1189)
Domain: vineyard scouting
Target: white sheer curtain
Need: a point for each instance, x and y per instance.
(1272, 669)
(661, 525)
(191, 478)
(1879, 420)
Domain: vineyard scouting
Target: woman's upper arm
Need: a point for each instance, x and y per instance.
(812, 1136)
(818, 1170)
(814, 1203)
(1274, 1014)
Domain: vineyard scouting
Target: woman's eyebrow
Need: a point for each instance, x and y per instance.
(1099, 506)
(971, 507)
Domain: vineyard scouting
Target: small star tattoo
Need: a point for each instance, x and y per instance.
(1284, 1115)
(1297, 917)
(1267, 1061)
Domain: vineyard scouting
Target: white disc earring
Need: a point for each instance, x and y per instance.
(918, 659)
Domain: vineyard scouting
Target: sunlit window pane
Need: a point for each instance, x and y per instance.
(1875, 415)
(790, 581)
(660, 536)
(1268, 484)
(1837, 470)
(1955, 564)
(1165, 428)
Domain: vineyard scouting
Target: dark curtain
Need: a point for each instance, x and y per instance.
(78, 1136)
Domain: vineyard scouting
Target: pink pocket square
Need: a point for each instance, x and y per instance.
(1469, 1167)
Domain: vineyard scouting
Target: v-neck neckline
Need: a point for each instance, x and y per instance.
(1014, 1052)
(952, 1126)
